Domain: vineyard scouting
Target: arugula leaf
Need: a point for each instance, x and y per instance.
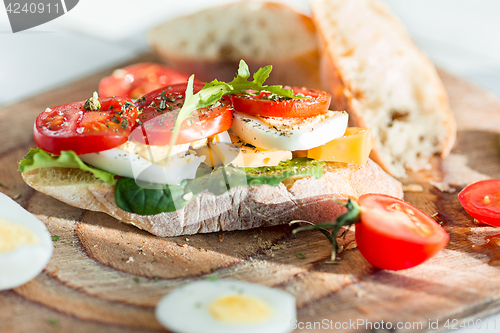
(38, 158)
(213, 91)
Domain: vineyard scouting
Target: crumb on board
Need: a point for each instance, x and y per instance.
(443, 186)
(413, 188)
(363, 310)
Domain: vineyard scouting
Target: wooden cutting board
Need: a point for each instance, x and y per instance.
(106, 276)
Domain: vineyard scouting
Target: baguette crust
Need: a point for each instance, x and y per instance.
(239, 209)
(211, 42)
(374, 71)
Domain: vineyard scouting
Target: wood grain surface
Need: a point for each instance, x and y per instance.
(106, 276)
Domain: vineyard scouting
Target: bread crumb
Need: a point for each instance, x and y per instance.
(363, 310)
(351, 245)
(443, 186)
(413, 188)
(130, 259)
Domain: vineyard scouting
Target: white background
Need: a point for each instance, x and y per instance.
(459, 35)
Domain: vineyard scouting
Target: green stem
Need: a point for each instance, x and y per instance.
(352, 216)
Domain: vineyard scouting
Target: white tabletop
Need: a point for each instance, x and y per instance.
(458, 35)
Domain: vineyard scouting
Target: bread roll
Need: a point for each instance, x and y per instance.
(239, 209)
(210, 43)
(374, 70)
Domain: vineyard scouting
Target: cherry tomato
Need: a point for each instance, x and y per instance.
(71, 127)
(395, 235)
(482, 201)
(139, 79)
(159, 110)
(270, 105)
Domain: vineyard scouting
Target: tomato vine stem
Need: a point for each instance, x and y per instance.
(352, 216)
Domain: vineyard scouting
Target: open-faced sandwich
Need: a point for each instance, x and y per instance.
(192, 158)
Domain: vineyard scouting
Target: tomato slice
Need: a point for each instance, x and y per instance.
(71, 127)
(269, 105)
(139, 79)
(395, 235)
(482, 201)
(159, 110)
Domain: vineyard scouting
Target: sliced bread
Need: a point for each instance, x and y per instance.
(374, 70)
(210, 43)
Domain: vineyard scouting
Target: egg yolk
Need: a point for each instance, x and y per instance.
(13, 235)
(238, 309)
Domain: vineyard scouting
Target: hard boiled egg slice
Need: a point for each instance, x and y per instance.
(25, 244)
(289, 133)
(224, 306)
(150, 164)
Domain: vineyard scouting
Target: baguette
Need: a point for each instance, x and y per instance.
(374, 71)
(211, 42)
(239, 209)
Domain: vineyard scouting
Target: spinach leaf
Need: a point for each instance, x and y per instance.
(151, 199)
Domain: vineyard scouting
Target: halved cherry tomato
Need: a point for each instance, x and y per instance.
(395, 235)
(159, 110)
(270, 105)
(482, 201)
(71, 127)
(139, 79)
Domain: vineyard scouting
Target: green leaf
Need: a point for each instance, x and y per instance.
(243, 71)
(285, 169)
(151, 199)
(213, 91)
(38, 158)
(262, 74)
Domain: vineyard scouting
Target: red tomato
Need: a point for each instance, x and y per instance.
(71, 127)
(270, 105)
(139, 79)
(395, 235)
(482, 201)
(159, 110)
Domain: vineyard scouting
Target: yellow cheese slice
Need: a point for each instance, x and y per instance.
(240, 154)
(354, 147)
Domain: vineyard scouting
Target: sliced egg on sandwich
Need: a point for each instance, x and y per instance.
(289, 133)
(241, 154)
(224, 306)
(25, 244)
(151, 164)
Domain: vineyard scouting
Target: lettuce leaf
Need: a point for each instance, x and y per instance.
(38, 158)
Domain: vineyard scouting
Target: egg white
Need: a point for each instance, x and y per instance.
(170, 170)
(26, 261)
(271, 134)
(186, 308)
